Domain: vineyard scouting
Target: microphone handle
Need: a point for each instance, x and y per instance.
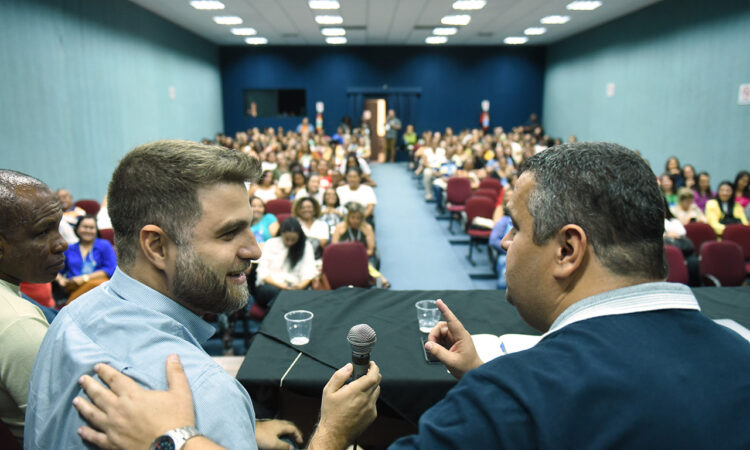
(361, 364)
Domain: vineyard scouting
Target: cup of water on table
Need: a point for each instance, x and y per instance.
(428, 315)
(299, 325)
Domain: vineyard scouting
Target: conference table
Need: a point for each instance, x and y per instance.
(288, 380)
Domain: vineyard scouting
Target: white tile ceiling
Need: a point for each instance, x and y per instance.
(389, 22)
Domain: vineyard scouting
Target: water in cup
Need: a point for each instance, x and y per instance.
(428, 315)
(299, 325)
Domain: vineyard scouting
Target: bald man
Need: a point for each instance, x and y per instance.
(31, 250)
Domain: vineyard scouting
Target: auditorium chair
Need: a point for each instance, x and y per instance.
(90, 206)
(478, 206)
(489, 193)
(108, 234)
(722, 264)
(491, 183)
(678, 272)
(279, 206)
(345, 264)
(457, 192)
(741, 235)
(281, 217)
(699, 232)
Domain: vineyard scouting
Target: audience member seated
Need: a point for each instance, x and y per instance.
(686, 210)
(332, 212)
(358, 163)
(265, 189)
(742, 188)
(688, 174)
(307, 211)
(102, 217)
(723, 210)
(299, 182)
(66, 231)
(703, 192)
(71, 213)
(668, 188)
(672, 169)
(264, 225)
(287, 262)
(501, 228)
(88, 263)
(355, 191)
(312, 189)
(325, 174)
(675, 233)
(355, 229)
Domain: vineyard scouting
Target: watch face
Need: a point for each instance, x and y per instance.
(163, 443)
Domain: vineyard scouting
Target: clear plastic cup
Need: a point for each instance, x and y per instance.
(299, 325)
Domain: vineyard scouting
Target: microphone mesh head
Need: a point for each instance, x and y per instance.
(361, 338)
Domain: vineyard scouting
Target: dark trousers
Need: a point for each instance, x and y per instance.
(390, 149)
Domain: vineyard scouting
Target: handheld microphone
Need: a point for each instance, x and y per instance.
(361, 339)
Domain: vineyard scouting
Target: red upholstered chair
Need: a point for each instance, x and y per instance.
(108, 234)
(741, 235)
(700, 232)
(90, 206)
(478, 206)
(281, 217)
(489, 193)
(678, 272)
(345, 264)
(457, 192)
(491, 183)
(279, 206)
(722, 263)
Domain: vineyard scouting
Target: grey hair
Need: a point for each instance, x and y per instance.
(610, 192)
(354, 207)
(13, 213)
(157, 183)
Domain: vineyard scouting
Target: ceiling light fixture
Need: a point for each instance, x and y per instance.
(323, 4)
(444, 31)
(244, 31)
(534, 31)
(516, 40)
(436, 40)
(555, 20)
(228, 20)
(256, 40)
(333, 31)
(469, 5)
(329, 20)
(456, 20)
(583, 5)
(334, 40)
(207, 4)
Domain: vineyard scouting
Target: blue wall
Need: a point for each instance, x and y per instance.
(677, 67)
(453, 81)
(82, 82)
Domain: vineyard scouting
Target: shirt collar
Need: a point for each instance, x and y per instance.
(15, 289)
(135, 292)
(632, 299)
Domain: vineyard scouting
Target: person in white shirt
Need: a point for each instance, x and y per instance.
(355, 191)
(307, 211)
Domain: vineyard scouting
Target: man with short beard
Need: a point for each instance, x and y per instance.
(182, 231)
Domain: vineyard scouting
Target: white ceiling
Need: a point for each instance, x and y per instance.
(389, 22)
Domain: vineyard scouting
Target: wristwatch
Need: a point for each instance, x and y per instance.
(86, 278)
(174, 439)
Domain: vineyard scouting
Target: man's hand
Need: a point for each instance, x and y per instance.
(268, 432)
(347, 409)
(129, 416)
(452, 344)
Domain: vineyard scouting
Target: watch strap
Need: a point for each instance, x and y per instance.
(178, 436)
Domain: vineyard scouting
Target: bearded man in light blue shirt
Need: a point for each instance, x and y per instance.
(182, 232)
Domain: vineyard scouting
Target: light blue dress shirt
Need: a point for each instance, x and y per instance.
(133, 328)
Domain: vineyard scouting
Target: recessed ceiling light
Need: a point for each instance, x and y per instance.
(323, 4)
(468, 5)
(207, 4)
(436, 40)
(555, 20)
(444, 31)
(336, 40)
(227, 20)
(583, 6)
(534, 31)
(333, 31)
(329, 20)
(515, 40)
(256, 40)
(459, 19)
(244, 31)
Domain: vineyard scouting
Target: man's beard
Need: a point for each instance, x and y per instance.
(200, 288)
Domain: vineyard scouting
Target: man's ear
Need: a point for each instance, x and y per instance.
(155, 245)
(571, 251)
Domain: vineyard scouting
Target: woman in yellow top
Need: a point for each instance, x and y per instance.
(723, 210)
